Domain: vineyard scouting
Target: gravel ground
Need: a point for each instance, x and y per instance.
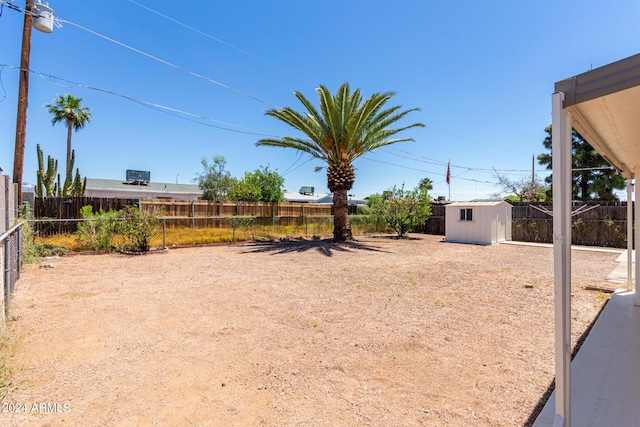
(379, 332)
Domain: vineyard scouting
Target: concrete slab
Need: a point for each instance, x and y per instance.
(573, 247)
(605, 380)
(619, 273)
(623, 257)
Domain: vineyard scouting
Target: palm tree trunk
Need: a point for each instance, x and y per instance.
(69, 128)
(341, 226)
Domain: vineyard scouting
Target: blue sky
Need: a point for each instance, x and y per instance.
(482, 74)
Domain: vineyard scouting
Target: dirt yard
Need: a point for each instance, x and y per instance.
(381, 332)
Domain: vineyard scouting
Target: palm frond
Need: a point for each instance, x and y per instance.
(304, 145)
(344, 127)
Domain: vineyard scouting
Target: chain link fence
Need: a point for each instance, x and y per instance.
(10, 253)
(58, 236)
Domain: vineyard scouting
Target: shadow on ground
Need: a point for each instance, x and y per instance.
(325, 247)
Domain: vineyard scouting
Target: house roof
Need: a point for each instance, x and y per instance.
(151, 187)
(604, 105)
(295, 197)
(322, 198)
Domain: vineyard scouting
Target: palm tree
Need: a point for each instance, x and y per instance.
(344, 129)
(68, 109)
(426, 184)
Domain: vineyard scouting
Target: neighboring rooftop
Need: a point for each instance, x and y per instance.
(146, 190)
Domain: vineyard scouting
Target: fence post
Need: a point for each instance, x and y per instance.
(193, 215)
(7, 275)
(233, 228)
(19, 249)
(629, 235)
(305, 221)
(164, 233)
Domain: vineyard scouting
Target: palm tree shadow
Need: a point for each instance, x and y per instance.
(326, 247)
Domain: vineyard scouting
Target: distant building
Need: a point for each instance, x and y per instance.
(308, 195)
(141, 190)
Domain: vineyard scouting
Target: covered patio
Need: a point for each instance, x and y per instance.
(602, 385)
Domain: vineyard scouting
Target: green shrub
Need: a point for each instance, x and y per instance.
(137, 228)
(402, 210)
(97, 230)
(366, 223)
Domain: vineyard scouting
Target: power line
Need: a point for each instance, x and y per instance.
(162, 61)
(429, 172)
(4, 91)
(443, 163)
(158, 107)
(10, 6)
(163, 108)
(472, 141)
(199, 31)
(59, 21)
(291, 168)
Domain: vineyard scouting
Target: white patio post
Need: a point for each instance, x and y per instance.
(636, 298)
(561, 151)
(629, 234)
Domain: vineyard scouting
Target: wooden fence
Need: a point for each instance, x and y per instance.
(602, 224)
(69, 207)
(205, 208)
(597, 224)
(435, 223)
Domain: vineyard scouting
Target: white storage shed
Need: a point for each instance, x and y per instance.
(478, 222)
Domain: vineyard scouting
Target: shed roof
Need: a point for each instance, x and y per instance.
(479, 203)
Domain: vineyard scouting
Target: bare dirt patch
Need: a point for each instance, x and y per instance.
(381, 332)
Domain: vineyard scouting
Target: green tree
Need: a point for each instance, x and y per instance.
(262, 185)
(593, 177)
(402, 210)
(69, 110)
(342, 130)
(215, 181)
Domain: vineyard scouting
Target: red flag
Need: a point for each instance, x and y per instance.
(449, 172)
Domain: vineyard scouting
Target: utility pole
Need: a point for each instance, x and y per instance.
(533, 170)
(23, 97)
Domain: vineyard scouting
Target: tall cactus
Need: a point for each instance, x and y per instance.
(46, 184)
(79, 185)
(68, 179)
(39, 188)
(73, 186)
(46, 179)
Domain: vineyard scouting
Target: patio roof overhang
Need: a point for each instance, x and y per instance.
(603, 105)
